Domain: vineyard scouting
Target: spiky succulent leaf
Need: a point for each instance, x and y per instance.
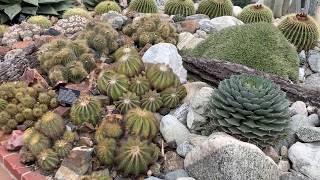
(3, 104)
(125, 50)
(110, 128)
(129, 65)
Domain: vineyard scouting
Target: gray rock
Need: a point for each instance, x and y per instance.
(196, 139)
(194, 119)
(172, 162)
(188, 41)
(166, 53)
(173, 175)
(207, 26)
(309, 134)
(64, 173)
(152, 178)
(293, 175)
(79, 160)
(193, 88)
(284, 165)
(200, 34)
(312, 82)
(305, 158)
(222, 22)
(200, 100)
(173, 130)
(197, 17)
(186, 178)
(284, 152)
(313, 120)
(184, 148)
(272, 153)
(299, 107)
(114, 18)
(314, 60)
(181, 112)
(302, 74)
(223, 157)
(302, 56)
(236, 11)
(311, 109)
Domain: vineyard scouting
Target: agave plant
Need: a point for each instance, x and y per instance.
(11, 8)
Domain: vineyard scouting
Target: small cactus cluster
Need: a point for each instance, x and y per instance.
(150, 30)
(66, 60)
(254, 13)
(3, 29)
(215, 8)
(179, 7)
(100, 37)
(23, 105)
(106, 6)
(143, 6)
(77, 12)
(131, 85)
(41, 21)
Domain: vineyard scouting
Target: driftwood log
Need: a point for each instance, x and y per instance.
(213, 71)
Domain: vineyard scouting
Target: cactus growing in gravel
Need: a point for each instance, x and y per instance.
(41, 21)
(135, 156)
(160, 76)
(62, 148)
(251, 108)
(256, 13)
(3, 104)
(143, 6)
(52, 125)
(129, 65)
(110, 127)
(141, 123)
(106, 6)
(76, 12)
(86, 109)
(179, 7)
(215, 8)
(112, 84)
(151, 101)
(139, 85)
(127, 101)
(37, 143)
(301, 30)
(106, 151)
(48, 160)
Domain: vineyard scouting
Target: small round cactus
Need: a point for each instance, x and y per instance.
(3, 29)
(127, 101)
(151, 101)
(28, 101)
(182, 92)
(113, 84)
(129, 65)
(106, 151)
(76, 72)
(141, 123)
(69, 136)
(109, 128)
(88, 61)
(76, 12)
(28, 114)
(37, 142)
(57, 73)
(215, 8)
(86, 109)
(254, 13)
(48, 160)
(44, 98)
(179, 7)
(62, 148)
(143, 6)
(125, 50)
(160, 76)
(106, 6)
(3, 104)
(41, 21)
(11, 109)
(139, 85)
(170, 98)
(52, 125)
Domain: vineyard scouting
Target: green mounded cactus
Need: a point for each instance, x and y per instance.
(76, 72)
(11, 109)
(44, 98)
(112, 84)
(106, 151)
(28, 134)
(12, 124)
(143, 6)
(179, 7)
(256, 13)
(3, 29)
(88, 61)
(301, 30)
(141, 123)
(110, 128)
(37, 112)
(160, 76)
(77, 11)
(62, 148)
(125, 50)
(28, 114)
(129, 65)
(151, 101)
(91, 4)
(251, 108)
(170, 97)
(41, 21)
(106, 6)
(37, 143)
(182, 92)
(135, 156)
(69, 136)
(57, 73)
(3, 104)
(86, 109)
(139, 85)
(127, 101)
(48, 160)
(51, 125)
(215, 8)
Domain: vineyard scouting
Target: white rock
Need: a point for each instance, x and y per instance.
(225, 21)
(196, 139)
(192, 88)
(314, 61)
(194, 119)
(181, 112)
(236, 11)
(65, 173)
(184, 148)
(312, 82)
(299, 107)
(302, 74)
(173, 130)
(166, 53)
(199, 102)
(206, 26)
(305, 158)
(188, 41)
(284, 166)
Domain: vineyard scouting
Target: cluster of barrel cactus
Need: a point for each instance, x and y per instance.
(130, 84)
(256, 13)
(23, 105)
(149, 29)
(215, 8)
(66, 60)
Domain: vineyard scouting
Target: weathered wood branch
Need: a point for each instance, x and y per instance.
(213, 71)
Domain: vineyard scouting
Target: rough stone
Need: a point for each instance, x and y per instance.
(173, 130)
(79, 160)
(15, 141)
(193, 88)
(184, 148)
(187, 26)
(284, 152)
(272, 153)
(188, 41)
(207, 26)
(224, 157)
(114, 18)
(236, 11)
(173, 175)
(197, 17)
(200, 34)
(152, 178)
(196, 139)
(194, 119)
(186, 178)
(65, 173)
(309, 134)
(305, 158)
(225, 21)
(200, 100)
(312, 82)
(314, 60)
(166, 53)
(293, 175)
(172, 162)
(298, 107)
(313, 120)
(284, 166)
(181, 112)
(302, 74)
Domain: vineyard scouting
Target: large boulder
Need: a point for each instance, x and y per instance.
(309, 134)
(225, 158)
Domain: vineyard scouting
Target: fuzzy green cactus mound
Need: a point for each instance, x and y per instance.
(170, 97)
(182, 92)
(215, 8)
(179, 7)
(69, 136)
(125, 50)
(37, 142)
(106, 151)
(160, 76)
(57, 73)
(129, 65)
(301, 30)
(48, 160)
(41, 21)
(62, 148)
(106, 6)
(135, 156)
(76, 72)
(151, 101)
(251, 108)
(110, 127)
(112, 84)
(52, 125)
(3, 104)
(256, 13)
(86, 109)
(3, 29)
(127, 101)
(139, 85)
(91, 4)
(76, 12)
(88, 61)
(141, 123)
(143, 6)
